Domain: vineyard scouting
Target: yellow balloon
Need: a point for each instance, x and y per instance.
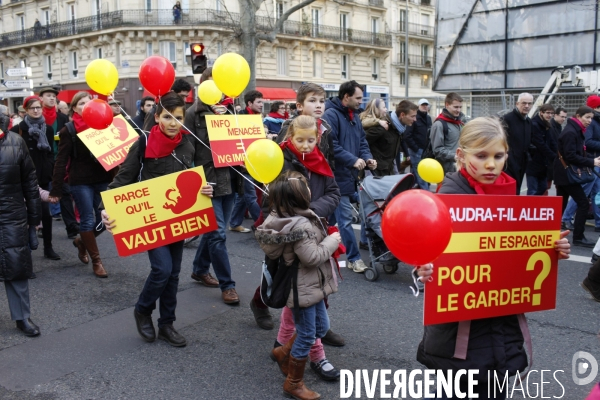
(430, 170)
(231, 73)
(101, 76)
(209, 93)
(264, 160)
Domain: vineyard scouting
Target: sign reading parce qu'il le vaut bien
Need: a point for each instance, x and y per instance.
(159, 211)
(230, 135)
(500, 259)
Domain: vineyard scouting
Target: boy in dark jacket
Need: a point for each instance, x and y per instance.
(544, 153)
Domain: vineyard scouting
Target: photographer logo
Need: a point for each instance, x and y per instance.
(584, 363)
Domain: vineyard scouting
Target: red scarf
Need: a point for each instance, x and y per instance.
(80, 124)
(350, 114)
(451, 120)
(504, 184)
(160, 145)
(49, 114)
(578, 122)
(277, 115)
(250, 111)
(313, 161)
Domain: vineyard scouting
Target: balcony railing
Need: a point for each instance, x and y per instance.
(416, 29)
(194, 18)
(423, 2)
(414, 60)
(376, 3)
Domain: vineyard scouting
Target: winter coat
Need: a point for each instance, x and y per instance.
(83, 169)
(43, 160)
(444, 146)
(495, 344)
(19, 205)
(518, 133)
(226, 180)
(592, 136)
(301, 236)
(138, 122)
(273, 124)
(349, 144)
(384, 145)
(544, 153)
(556, 129)
(325, 144)
(416, 134)
(570, 147)
(4, 122)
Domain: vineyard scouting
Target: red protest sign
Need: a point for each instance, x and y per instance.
(500, 259)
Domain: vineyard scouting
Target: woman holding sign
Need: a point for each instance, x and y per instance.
(166, 152)
(87, 179)
(490, 344)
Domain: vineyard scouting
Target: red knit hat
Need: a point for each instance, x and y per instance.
(30, 99)
(593, 101)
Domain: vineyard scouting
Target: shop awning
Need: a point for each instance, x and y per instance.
(277, 93)
(67, 95)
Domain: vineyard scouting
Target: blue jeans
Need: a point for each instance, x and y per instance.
(311, 323)
(590, 188)
(536, 186)
(343, 216)
(212, 247)
(247, 201)
(87, 198)
(162, 282)
(415, 159)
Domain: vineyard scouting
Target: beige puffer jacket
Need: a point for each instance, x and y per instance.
(302, 235)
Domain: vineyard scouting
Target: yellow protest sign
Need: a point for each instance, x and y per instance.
(159, 211)
(230, 135)
(111, 145)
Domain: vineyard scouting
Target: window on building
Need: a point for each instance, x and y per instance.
(1, 70)
(186, 46)
(317, 64)
(148, 5)
(167, 50)
(74, 70)
(71, 17)
(48, 66)
(375, 69)
(149, 51)
(402, 21)
(402, 78)
(21, 19)
(425, 80)
(344, 26)
(278, 9)
(45, 16)
(23, 63)
(219, 48)
(425, 54)
(374, 26)
(344, 62)
(281, 61)
(316, 21)
(99, 53)
(402, 53)
(218, 5)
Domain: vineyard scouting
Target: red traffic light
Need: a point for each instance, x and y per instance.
(197, 48)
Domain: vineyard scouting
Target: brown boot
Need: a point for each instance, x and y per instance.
(294, 384)
(83, 257)
(281, 355)
(89, 240)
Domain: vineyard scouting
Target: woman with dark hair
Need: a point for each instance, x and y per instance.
(39, 138)
(276, 118)
(166, 152)
(20, 201)
(572, 154)
(87, 179)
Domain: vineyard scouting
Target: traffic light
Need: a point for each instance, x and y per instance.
(199, 60)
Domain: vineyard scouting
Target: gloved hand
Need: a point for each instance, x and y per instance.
(33, 240)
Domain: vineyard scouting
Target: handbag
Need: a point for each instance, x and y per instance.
(577, 175)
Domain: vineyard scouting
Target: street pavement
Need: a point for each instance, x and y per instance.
(90, 349)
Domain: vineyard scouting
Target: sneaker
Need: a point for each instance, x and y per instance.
(240, 229)
(357, 266)
(363, 245)
(589, 286)
(325, 370)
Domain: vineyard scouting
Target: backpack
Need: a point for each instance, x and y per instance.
(278, 279)
(428, 152)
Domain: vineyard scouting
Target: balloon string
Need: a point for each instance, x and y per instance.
(212, 151)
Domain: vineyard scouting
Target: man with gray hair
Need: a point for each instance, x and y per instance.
(4, 118)
(517, 126)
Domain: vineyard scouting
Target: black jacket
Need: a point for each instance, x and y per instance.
(138, 122)
(518, 132)
(495, 344)
(43, 160)
(226, 179)
(417, 134)
(4, 122)
(592, 136)
(544, 153)
(570, 146)
(19, 205)
(384, 145)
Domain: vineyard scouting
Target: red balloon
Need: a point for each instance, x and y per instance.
(97, 114)
(416, 227)
(157, 75)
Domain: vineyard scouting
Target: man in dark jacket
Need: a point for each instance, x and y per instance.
(517, 126)
(352, 154)
(544, 153)
(416, 136)
(146, 106)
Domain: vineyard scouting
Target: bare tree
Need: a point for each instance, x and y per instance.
(250, 35)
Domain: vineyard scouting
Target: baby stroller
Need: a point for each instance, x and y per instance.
(375, 192)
